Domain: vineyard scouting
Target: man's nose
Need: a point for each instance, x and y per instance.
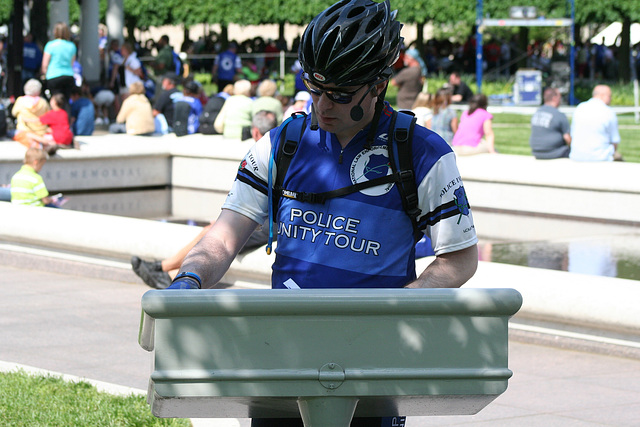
(324, 103)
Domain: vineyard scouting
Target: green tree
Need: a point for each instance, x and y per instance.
(607, 11)
(437, 12)
(6, 7)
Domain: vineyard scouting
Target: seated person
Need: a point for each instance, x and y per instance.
(550, 130)
(421, 108)
(27, 186)
(301, 103)
(475, 132)
(5, 193)
(26, 108)
(266, 99)
(82, 111)
(594, 129)
(57, 119)
(461, 93)
(187, 109)
(235, 115)
(158, 274)
(444, 121)
(103, 100)
(135, 116)
(163, 105)
(209, 113)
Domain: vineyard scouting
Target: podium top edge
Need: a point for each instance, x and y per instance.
(245, 302)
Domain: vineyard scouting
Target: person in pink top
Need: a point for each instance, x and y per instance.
(474, 134)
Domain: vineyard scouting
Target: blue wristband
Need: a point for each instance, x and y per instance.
(190, 275)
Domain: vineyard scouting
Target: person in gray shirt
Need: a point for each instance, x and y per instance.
(550, 130)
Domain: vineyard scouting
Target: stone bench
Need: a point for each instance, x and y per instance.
(201, 168)
(326, 354)
(591, 191)
(507, 182)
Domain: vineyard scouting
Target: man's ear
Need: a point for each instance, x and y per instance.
(255, 133)
(379, 88)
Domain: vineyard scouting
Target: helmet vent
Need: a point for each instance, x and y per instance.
(354, 56)
(379, 45)
(375, 22)
(328, 24)
(350, 35)
(335, 7)
(327, 46)
(355, 12)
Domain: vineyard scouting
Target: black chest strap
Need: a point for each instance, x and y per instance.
(399, 148)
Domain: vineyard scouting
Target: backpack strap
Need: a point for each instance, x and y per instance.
(287, 148)
(401, 159)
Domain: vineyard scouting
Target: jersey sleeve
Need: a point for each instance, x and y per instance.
(39, 189)
(249, 192)
(615, 133)
(566, 127)
(446, 216)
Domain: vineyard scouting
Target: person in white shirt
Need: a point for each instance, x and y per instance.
(132, 66)
(594, 129)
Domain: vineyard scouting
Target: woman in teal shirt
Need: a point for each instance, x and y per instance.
(57, 61)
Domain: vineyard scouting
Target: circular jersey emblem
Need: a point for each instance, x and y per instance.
(226, 63)
(319, 77)
(371, 164)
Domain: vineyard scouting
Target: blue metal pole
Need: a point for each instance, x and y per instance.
(479, 45)
(572, 50)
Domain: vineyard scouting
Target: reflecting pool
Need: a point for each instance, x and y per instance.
(602, 249)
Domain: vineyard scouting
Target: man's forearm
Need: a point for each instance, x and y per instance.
(450, 270)
(209, 259)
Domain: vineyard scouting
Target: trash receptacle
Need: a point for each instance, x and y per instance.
(528, 87)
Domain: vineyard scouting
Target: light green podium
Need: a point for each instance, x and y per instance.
(327, 355)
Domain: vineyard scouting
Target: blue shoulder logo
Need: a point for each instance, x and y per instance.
(461, 202)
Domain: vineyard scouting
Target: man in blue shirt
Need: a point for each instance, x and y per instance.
(226, 66)
(594, 129)
(364, 239)
(333, 240)
(83, 113)
(31, 59)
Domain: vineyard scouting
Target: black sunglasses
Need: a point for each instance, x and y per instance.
(339, 97)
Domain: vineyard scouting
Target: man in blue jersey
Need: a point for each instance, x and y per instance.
(226, 66)
(363, 239)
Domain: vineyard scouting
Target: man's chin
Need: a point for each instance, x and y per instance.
(327, 124)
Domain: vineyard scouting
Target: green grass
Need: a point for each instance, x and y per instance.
(512, 135)
(34, 401)
(512, 130)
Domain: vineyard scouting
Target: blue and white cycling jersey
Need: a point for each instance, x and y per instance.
(364, 239)
(227, 62)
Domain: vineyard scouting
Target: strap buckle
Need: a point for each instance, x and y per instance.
(405, 175)
(311, 198)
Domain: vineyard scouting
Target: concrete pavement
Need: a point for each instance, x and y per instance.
(88, 327)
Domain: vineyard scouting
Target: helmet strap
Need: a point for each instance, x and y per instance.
(314, 118)
(376, 118)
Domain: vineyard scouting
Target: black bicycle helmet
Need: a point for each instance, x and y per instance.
(351, 43)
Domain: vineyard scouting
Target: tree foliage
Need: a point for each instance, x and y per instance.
(606, 11)
(435, 11)
(6, 8)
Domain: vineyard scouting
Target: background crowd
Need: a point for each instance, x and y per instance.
(149, 89)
